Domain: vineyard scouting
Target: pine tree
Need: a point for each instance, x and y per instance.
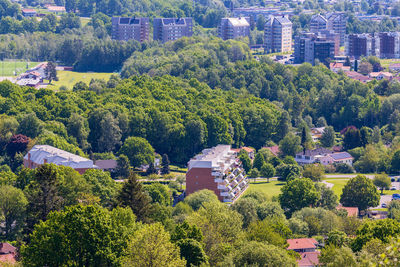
(132, 195)
(123, 167)
(165, 164)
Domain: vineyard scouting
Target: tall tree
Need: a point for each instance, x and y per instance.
(328, 137)
(165, 164)
(382, 181)
(123, 168)
(132, 195)
(50, 72)
(290, 145)
(258, 161)
(360, 192)
(267, 171)
(12, 210)
(138, 150)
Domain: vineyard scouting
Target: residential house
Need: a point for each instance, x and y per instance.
(41, 154)
(250, 151)
(217, 169)
(337, 66)
(32, 79)
(106, 164)
(357, 76)
(336, 158)
(381, 75)
(56, 9)
(28, 12)
(351, 211)
(306, 247)
(311, 156)
(394, 67)
(274, 150)
(7, 253)
(316, 133)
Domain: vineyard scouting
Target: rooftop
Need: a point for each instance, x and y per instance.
(309, 259)
(302, 243)
(6, 248)
(239, 22)
(40, 153)
(220, 156)
(56, 8)
(340, 156)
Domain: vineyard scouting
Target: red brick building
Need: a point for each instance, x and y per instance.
(217, 169)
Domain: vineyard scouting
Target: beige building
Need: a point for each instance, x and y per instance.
(278, 35)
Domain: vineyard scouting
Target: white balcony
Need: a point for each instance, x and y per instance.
(218, 180)
(224, 194)
(214, 173)
(222, 187)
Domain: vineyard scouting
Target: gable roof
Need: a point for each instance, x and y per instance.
(274, 149)
(315, 152)
(106, 164)
(302, 243)
(309, 258)
(341, 156)
(351, 211)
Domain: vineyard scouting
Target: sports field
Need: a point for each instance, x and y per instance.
(14, 68)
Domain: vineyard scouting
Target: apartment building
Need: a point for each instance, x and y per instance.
(170, 29)
(318, 23)
(232, 28)
(337, 22)
(217, 169)
(389, 44)
(278, 35)
(42, 154)
(125, 29)
(311, 46)
(362, 45)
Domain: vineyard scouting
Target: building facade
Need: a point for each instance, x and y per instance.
(389, 44)
(318, 23)
(362, 45)
(232, 28)
(125, 29)
(217, 169)
(337, 22)
(42, 154)
(278, 35)
(170, 29)
(311, 46)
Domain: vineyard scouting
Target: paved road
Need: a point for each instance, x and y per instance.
(327, 176)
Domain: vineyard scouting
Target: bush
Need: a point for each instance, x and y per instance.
(344, 168)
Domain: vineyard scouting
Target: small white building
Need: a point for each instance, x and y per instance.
(311, 156)
(336, 158)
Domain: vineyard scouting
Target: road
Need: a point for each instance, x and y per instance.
(327, 176)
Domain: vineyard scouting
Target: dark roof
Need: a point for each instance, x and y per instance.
(316, 152)
(6, 248)
(174, 21)
(106, 164)
(341, 155)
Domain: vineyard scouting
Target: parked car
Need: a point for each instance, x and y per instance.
(396, 196)
(393, 188)
(384, 205)
(398, 179)
(393, 179)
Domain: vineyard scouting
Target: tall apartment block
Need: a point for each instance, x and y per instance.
(232, 28)
(125, 29)
(217, 169)
(318, 23)
(389, 44)
(311, 46)
(337, 23)
(278, 34)
(170, 29)
(362, 45)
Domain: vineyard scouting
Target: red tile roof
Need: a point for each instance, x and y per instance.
(10, 258)
(302, 243)
(351, 211)
(274, 149)
(309, 259)
(248, 149)
(28, 10)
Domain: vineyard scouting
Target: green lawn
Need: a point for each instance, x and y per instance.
(386, 62)
(7, 68)
(338, 185)
(70, 78)
(273, 188)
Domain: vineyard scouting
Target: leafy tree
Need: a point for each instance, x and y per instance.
(159, 193)
(268, 209)
(12, 210)
(50, 72)
(260, 23)
(247, 207)
(328, 198)
(78, 128)
(321, 122)
(286, 172)
(351, 139)
(394, 210)
(132, 195)
(267, 171)
(333, 256)
(336, 238)
(192, 251)
(297, 194)
(360, 192)
(305, 138)
(151, 246)
(138, 150)
(197, 199)
(263, 231)
(314, 171)
(290, 145)
(365, 68)
(253, 173)
(395, 162)
(382, 181)
(259, 254)
(328, 137)
(283, 126)
(17, 144)
(246, 161)
(165, 164)
(258, 161)
(383, 230)
(123, 168)
(101, 185)
(30, 125)
(80, 236)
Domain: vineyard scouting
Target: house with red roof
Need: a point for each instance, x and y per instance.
(338, 66)
(250, 151)
(274, 150)
(7, 253)
(29, 12)
(351, 211)
(306, 247)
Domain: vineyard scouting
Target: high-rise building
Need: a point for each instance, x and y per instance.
(389, 44)
(217, 169)
(125, 29)
(337, 22)
(170, 29)
(311, 46)
(318, 23)
(362, 45)
(278, 35)
(232, 28)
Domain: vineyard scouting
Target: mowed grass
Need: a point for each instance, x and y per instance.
(273, 188)
(7, 68)
(70, 78)
(386, 62)
(338, 185)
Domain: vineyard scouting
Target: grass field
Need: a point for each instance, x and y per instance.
(386, 62)
(273, 188)
(338, 185)
(70, 78)
(7, 68)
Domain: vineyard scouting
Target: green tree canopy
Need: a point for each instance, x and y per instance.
(360, 192)
(138, 150)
